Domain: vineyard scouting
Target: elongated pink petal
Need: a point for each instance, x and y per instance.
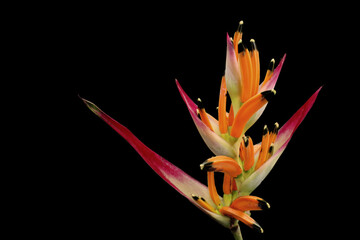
(232, 75)
(178, 179)
(272, 81)
(288, 129)
(282, 140)
(215, 143)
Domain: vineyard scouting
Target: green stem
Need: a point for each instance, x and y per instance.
(235, 229)
(237, 235)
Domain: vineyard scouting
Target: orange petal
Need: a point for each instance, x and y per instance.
(265, 144)
(255, 62)
(249, 159)
(203, 115)
(241, 216)
(237, 38)
(269, 72)
(249, 203)
(246, 74)
(222, 164)
(212, 188)
(223, 122)
(248, 109)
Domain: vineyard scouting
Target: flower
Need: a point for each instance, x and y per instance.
(202, 196)
(243, 163)
(247, 154)
(248, 98)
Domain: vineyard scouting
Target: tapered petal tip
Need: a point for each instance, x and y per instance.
(317, 91)
(264, 205)
(91, 106)
(281, 63)
(228, 41)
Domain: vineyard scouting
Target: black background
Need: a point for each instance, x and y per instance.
(126, 59)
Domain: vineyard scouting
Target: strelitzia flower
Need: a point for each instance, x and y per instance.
(243, 163)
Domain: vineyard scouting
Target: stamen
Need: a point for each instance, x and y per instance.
(248, 109)
(265, 130)
(203, 115)
(241, 216)
(269, 94)
(267, 145)
(237, 39)
(200, 103)
(223, 122)
(253, 45)
(246, 141)
(264, 148)
(269, 72)
(255, 62)
(241, 23)
(274, 133)
(249, 203)
(242, 149)
(246, 74)
(202, 202)
(222, 164)
(249, 159)
(212, 188)
(231, 116)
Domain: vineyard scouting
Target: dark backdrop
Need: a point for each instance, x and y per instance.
(126, 61)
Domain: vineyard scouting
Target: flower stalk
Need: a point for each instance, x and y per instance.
(235, 229)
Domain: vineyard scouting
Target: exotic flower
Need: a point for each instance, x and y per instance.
(243, 163)
(248, 97)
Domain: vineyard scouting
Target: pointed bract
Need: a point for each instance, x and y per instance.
(272, 81)
(282, 140)
(215, 143)
(178, 179)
